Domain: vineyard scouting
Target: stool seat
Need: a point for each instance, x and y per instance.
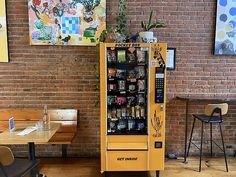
(15, 167)
(20, 167)
(208, 119)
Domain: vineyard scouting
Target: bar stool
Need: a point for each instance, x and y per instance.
(213, 115)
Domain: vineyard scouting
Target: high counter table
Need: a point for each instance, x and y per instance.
(187, 99)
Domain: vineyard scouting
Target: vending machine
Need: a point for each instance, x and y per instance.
(132, 102)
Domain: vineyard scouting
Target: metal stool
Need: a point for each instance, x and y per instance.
(213, 115)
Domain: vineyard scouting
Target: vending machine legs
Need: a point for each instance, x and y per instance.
(132, 104)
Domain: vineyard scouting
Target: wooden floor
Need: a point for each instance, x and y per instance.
(85, 167)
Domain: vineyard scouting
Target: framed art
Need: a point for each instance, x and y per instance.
(67, 22)
(170, 58)
(4, 57)
(225, 33)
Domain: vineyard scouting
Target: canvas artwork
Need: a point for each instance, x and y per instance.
(66, 22)
(3, 33)
(225, 37)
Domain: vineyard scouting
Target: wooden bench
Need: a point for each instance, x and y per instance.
(66, 117)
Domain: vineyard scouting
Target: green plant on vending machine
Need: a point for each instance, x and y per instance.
(121, 32)
(151, 25)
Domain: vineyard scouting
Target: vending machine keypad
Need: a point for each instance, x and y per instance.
(159, 85)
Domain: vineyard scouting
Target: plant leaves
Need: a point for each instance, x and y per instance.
(151, 27)
(142, 24)
(150, 19)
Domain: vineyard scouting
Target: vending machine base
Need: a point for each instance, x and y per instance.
(106, 174)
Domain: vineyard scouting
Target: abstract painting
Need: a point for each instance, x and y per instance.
(225, 36)
(66, 22)
(3, 33)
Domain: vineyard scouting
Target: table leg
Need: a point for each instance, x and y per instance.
(31, 151)
(32, 156)
(186, 130)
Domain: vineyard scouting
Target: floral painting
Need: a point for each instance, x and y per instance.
(3, 33)
(225, 37)
(66, 22)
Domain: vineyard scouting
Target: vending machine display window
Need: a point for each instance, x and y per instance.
(127, 79)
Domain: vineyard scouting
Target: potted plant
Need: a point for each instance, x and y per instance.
(121, 32)
(146, 35)
(122, 19)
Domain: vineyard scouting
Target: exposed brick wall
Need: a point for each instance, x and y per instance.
(64, 76)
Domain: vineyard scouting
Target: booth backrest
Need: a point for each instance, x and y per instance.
(67, 117)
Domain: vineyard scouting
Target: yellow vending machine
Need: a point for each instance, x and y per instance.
(132, 100)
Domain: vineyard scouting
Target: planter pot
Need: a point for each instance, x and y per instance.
(147, 36)
(115, 37)
(111, 37)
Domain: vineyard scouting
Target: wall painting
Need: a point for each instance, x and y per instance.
(3, 33)
(66, 22)
(225, 36)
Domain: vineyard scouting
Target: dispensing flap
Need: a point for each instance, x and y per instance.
(127, 146)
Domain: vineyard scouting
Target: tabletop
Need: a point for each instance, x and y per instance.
(37, 137)
(215, 99)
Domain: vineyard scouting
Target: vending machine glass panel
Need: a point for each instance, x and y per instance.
(127, 86)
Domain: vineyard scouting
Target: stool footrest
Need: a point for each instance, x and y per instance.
(195, 145)
(217, 145)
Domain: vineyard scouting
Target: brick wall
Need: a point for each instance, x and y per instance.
(64, 76)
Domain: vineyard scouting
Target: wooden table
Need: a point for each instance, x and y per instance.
(35, 137)
(38, 137)
(187, 99)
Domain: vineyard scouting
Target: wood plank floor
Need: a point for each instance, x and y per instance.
(86, 167)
